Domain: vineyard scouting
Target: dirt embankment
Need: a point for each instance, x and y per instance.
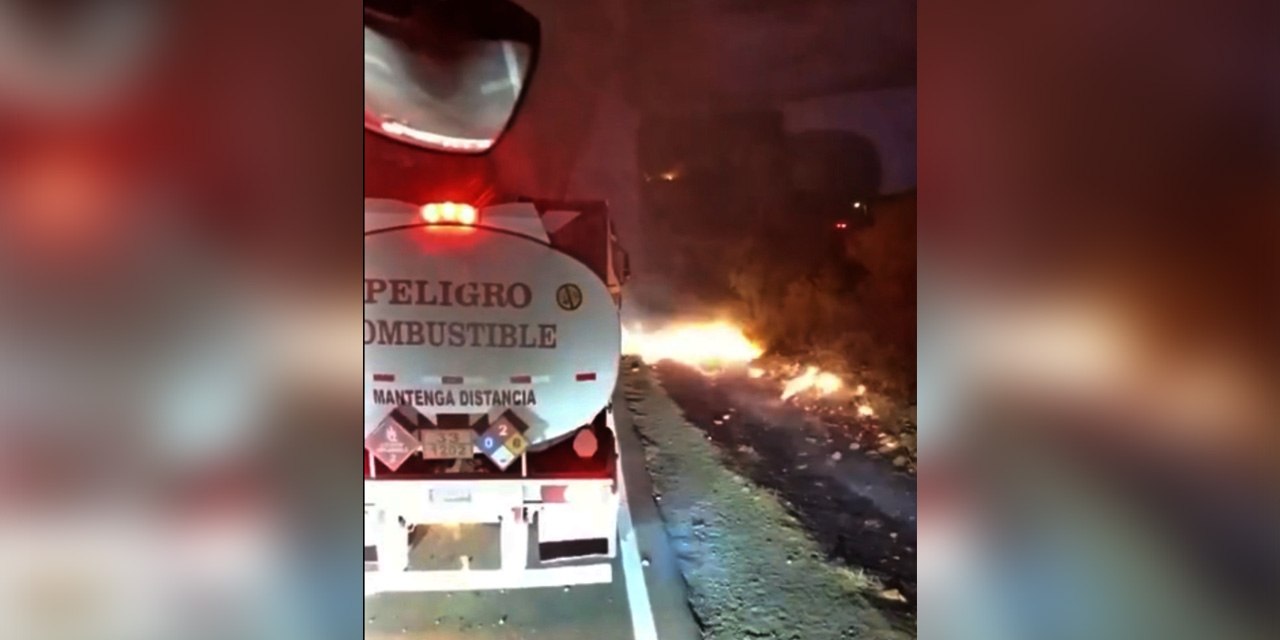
(754, 566)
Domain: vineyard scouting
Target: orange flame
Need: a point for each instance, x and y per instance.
(702, 345)
(812, 379)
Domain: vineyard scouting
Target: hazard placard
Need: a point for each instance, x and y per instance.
(391, 443)
(517, 445)
(504, 442)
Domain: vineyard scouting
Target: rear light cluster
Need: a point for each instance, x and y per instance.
(450, 213)
(590, 455)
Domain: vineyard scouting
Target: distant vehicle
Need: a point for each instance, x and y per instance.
(491, 330)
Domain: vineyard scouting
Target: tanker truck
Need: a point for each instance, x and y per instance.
(492, 334)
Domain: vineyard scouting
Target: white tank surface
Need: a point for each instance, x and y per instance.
(481, 319)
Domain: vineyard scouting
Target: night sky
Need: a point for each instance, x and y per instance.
(825, 65)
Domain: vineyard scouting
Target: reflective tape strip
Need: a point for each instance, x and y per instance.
(530, 379)
(452, 381)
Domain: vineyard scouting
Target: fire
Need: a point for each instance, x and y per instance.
(702, 345)
(817, 382)
(716, 345)
(813, 379)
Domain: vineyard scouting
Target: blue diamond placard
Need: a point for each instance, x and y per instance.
(489, 442)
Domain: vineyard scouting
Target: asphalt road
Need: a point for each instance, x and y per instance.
(642, 603)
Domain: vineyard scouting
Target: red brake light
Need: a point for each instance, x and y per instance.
(583, 494)
(450, 213)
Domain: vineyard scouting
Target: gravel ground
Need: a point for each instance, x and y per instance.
(847, 481)
(752, 569)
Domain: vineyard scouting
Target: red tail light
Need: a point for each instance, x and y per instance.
(582, 494)
(450, 213)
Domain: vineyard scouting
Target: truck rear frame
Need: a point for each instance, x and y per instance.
(556, 510)
(547, 515)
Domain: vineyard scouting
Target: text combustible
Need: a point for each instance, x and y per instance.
(411, 333)
(447, 398)
(427, 293)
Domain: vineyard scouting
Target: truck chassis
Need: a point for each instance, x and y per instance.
(571, 522)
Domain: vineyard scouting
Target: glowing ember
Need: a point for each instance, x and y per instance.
(705, 346)
(866, 411)
(812, 380)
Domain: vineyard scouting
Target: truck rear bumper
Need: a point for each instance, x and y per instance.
(377, 582)
(560, 533)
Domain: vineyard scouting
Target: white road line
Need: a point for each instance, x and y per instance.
(642, 624)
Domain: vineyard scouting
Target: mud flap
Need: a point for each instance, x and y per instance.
(515, 540)
(391, 544)
(570, 533)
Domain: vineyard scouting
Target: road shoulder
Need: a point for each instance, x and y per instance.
(750, 569)
(672, 617)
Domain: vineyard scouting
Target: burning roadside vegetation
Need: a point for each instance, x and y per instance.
(871, 422)
(817, 442)
(786, 239)
(804, 388)
(876, 425)
(840, 326)
(778, 347)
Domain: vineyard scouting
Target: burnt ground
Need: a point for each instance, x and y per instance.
(855, 504)
(751, 569)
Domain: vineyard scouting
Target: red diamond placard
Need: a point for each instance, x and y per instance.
(391, 443)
